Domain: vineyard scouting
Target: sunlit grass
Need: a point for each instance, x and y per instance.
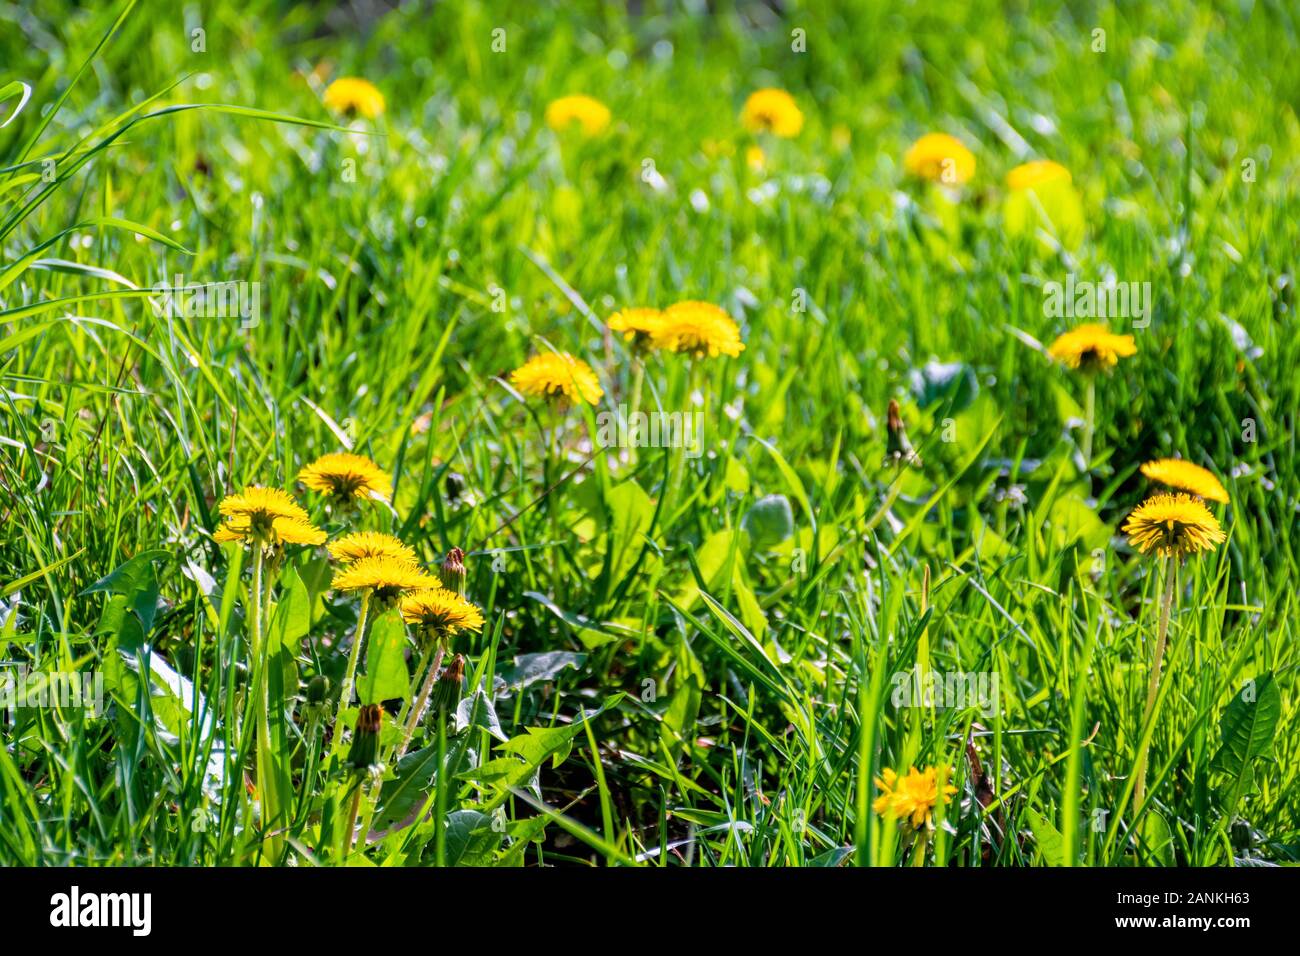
(735, 624)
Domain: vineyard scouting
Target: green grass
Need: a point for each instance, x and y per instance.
(737, 684)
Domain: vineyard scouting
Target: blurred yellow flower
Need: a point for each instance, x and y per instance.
(756, 159)
(265, 515)
(347, 478)
(353, 96)
(1036, 173)
(551, 374)
(700, 328)
(913, 796)
(1091, 348)
(1173, 525)
(940, 158)
(369, 544)
(1042, 193)
(772, 111)
(638, 324)
(1177, 473)
(591, 115)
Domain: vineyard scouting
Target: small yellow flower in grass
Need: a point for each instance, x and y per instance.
(1186, 476)
(387, 577)
(353, 96)
(440, 612)
(591, 115)
(940, 158)
(636, 324)
(1091, 348)
(1172, 526)
(551, 374)
(369, 544)
(772, 111)
(700, 328)
(347, 478)
(913, 796)
(756, 159)
(1042, 193)
(266, 515)
(1038, 172)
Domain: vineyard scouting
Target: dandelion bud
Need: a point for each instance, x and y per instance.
(446, 695)
(365, 740)
(898, 450)
(317, 690)
(453, 571)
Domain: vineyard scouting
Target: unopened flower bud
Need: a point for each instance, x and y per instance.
(365, 740)
(898, 450)
(446, 693)
(453, 571)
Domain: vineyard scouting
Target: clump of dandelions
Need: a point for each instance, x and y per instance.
(378, 579)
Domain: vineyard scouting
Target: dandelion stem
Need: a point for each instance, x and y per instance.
(1153, 685)
(266, 785)
(425, 689)
(349, 678)
(1089, 418)
(350, 834)
(419, 669)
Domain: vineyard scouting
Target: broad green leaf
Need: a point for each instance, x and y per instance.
(1050, 841)
(386, 676)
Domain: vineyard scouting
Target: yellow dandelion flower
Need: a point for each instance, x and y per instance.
(590, 114)
(700, 328)
(347, 478)
(369, 544)
(1173, 525)
(440, 611)
(1037, 173)
(266, 515)
(551, 374)
(353, 96)
(772, 111)
(638, 324)
(1042, 193)
(913, 796)
(256, 503)
(1091, 347)
(1177, 473)
(388, 576)
(939, 158)
(756, 159)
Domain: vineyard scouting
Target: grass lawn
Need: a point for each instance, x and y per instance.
(840, 556)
